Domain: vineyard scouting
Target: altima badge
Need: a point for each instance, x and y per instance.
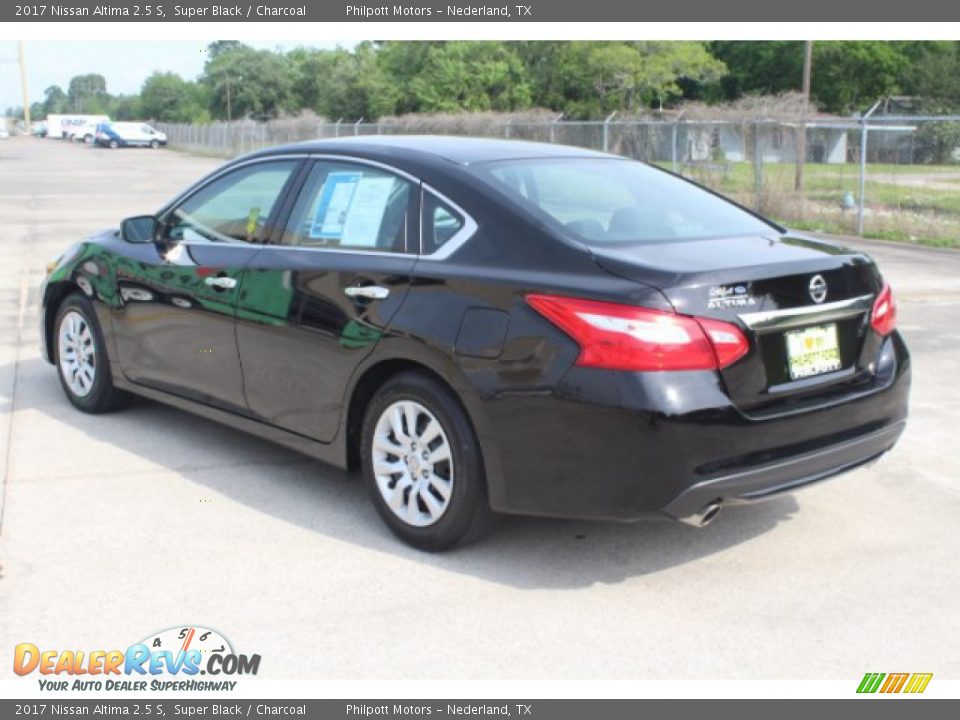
(817, 289)
(730, 296)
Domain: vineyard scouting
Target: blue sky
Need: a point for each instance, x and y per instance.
(125, 64)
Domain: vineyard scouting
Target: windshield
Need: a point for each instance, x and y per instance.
(605, 201)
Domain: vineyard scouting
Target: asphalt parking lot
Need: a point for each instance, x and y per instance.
(117, 526)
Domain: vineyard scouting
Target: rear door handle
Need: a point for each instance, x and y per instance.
(224, 283)
(369, 292)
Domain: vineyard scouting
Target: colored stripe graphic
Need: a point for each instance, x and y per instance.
(894, 683)
(870, 682)
(918, 682)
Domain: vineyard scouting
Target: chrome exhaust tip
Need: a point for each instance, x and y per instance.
(703, 517)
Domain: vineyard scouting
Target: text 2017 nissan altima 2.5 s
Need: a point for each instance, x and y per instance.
(489, 327)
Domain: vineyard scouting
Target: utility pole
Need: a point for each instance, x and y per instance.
(802, 132)
(24, 87)
(229, 108)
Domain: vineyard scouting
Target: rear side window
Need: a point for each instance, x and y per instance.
(352, 207)
(236, 206)
(440, 223)
(609, 201)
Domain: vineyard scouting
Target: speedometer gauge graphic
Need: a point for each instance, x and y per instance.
(190, 637)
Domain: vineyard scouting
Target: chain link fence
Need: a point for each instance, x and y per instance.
(892, 177)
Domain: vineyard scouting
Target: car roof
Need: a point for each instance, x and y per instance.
(427, 148)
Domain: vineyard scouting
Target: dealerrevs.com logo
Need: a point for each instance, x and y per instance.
(172, 659)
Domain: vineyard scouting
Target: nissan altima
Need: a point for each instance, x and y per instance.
(484, 327)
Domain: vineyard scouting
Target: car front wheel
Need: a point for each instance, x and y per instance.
(423, 465)
(82, 359)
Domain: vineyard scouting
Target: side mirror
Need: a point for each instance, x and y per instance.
(140, 229)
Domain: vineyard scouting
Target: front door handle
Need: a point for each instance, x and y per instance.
(223, 283)
(369, 292)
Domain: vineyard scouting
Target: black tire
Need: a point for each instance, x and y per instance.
(154, 144)
(102, 397)
(467, 515)
(114, 144)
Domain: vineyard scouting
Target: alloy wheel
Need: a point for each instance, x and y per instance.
(77, 353)
(412, 463)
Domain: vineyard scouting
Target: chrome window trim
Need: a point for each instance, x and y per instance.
(452, 245)
(355, 251)
(341, 251)
(808, 314)
(458, 239)
(203, 182)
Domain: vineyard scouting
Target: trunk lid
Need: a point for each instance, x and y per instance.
(769, 287)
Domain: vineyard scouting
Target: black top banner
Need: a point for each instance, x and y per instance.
(512, 11)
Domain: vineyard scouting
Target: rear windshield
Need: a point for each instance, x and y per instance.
(607, 201)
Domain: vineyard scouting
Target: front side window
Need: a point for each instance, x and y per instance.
(236, 206)
(609, 201)
(352, 207)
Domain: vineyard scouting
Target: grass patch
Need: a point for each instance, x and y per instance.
(912, 213)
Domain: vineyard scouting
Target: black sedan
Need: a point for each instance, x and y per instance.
(491, 327)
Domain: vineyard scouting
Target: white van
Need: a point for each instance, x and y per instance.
(128, 134)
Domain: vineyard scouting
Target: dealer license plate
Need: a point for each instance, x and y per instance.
(812, 351)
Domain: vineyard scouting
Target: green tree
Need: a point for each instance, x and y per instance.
(847, 75)
(467, 76)
(933, 72)
(592, 79)
(55, 100)
(762, 68)
(126, 107)
(219, 47)
(852, 75)
(88, 94)
(242, 81)
(167, 97)
(344, 84)
(401, 62)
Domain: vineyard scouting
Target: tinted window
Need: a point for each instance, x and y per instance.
(440, 223)
(354, 207)
(611, 201)
(236, 206)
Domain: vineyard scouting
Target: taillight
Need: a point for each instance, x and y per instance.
(883, 319)
(624, 337)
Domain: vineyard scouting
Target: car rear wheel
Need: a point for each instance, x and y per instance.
(82, 359)
(423, 465)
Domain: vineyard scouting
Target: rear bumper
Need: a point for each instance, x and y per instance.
(769, 480)
(627, 446)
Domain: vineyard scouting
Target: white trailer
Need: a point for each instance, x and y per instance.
(62, 127)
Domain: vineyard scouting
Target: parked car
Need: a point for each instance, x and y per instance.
(4, 133)
(128, 134)
(489, 327)
(38, 129)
